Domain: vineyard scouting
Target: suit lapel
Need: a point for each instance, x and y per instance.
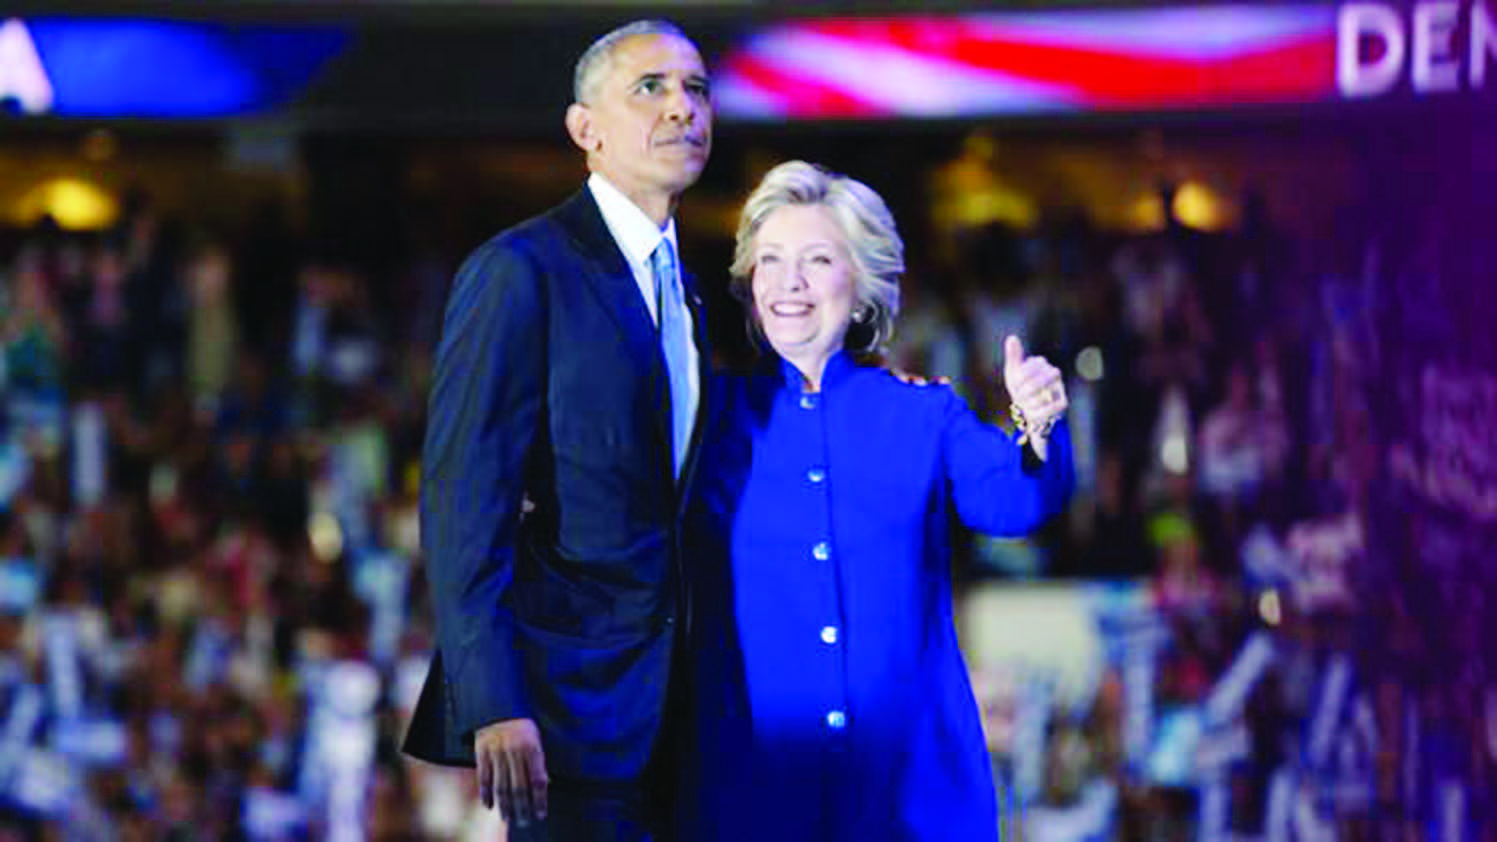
(612, 281)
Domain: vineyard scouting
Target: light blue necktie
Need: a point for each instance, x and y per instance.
(675, 343)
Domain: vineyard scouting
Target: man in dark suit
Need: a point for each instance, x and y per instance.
(558, 451)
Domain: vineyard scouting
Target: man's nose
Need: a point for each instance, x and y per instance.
(679, 105)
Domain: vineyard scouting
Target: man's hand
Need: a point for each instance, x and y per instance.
(512, 770)
(1036, 388)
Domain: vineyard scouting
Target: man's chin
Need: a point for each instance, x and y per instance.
(681, 180)
(689, 164)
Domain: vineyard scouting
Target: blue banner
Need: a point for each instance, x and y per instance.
(157, 69)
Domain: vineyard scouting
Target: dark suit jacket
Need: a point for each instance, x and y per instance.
(550, 385)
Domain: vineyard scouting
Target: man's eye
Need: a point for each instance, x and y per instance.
(649, 86)
(701, 89)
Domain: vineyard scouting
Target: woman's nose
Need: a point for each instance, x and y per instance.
(792, 279)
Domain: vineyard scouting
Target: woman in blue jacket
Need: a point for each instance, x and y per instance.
(831, 696)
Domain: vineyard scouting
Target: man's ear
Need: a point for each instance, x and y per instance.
(580, 127)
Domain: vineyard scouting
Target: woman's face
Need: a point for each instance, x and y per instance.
(804, 287)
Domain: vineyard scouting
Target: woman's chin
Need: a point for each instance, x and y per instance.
(794, 347)
(787, 343)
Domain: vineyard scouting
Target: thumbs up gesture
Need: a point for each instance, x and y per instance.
(1036, 392)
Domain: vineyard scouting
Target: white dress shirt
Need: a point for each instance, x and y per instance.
(637, 236)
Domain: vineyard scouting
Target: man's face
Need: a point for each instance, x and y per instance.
(649, 124)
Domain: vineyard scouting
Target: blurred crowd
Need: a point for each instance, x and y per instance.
(208, 532)
(211, 612)
(1280, 676)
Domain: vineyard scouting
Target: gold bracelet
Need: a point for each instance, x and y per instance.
(1026, 431)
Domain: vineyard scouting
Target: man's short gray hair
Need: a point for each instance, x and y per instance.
(866, 224)
(594, 62)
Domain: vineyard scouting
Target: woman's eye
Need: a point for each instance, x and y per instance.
(821, 259)
(767, 259)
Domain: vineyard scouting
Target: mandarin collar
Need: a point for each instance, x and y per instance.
(839, 367)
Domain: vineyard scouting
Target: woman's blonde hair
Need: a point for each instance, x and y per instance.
(873, 243)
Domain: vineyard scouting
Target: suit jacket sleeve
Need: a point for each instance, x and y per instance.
(998, 487)
(487, 397)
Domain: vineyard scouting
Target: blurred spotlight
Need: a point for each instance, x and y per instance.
(1269, 607)
(100, 145)
(995, 203)
(1089, 363)
(75, 204)
(1146, 213)
(326, 536)
(1199, 207)
(1175, 455)
(969, 192)
(980, 145)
